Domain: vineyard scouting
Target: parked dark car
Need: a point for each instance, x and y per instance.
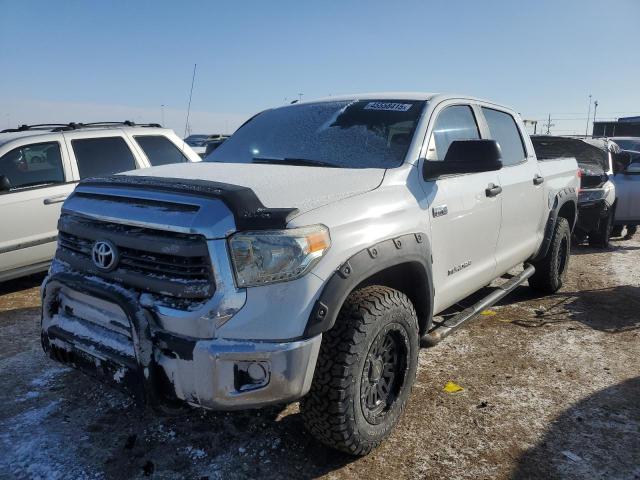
(597, 197)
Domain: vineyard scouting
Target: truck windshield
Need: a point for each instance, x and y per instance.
(340, 134)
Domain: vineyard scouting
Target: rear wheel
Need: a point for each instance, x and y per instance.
(551, 271)
(600, 238)
(365, 370)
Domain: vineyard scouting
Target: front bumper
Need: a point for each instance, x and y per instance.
(590, 214)
(103, 330)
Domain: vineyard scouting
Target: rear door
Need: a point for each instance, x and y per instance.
(522, 191)
(465, 220)
(40, 177)
(95, 154)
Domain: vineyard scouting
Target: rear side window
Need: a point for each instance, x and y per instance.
(38, 164)
(453, 123)
(504, 130)
(102, 156)
(160, 150)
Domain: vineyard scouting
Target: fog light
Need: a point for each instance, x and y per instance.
(251, 375)
(257, 372)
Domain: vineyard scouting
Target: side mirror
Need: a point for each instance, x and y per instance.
(466, 156)
(5, 184)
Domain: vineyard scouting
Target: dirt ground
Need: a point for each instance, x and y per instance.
(551, 390)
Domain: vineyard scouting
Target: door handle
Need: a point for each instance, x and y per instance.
(55, 199)
(538, 179)
(493, 190)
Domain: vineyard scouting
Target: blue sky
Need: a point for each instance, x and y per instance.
(83, 61)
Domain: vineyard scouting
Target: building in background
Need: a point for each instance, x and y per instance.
(623, 127)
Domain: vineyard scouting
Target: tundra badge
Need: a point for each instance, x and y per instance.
(440, 210)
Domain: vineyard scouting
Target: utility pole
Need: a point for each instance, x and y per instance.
(595, 110)
(549, 125)
(187, 128)
(586, 131)
(162, 114)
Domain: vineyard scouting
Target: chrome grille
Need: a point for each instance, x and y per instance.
(167, 263)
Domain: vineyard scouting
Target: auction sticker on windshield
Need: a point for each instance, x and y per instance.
(393, 107)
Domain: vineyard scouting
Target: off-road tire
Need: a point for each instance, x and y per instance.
(551, 270)
(334, 411)
(600, 238)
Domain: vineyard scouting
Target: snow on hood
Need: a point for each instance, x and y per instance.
(279, 186)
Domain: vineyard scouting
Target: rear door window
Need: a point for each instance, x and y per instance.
(102, 156)
(454, 123)
(160, 150)
(504, 130)
(38, 164)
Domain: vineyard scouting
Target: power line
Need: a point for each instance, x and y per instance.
(580, 113)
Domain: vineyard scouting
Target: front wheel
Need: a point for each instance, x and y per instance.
(365, 371)
(551, 271)
(600, 238)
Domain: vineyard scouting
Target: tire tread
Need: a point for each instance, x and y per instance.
(327, 409)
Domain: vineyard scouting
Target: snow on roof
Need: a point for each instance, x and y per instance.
(377, 96)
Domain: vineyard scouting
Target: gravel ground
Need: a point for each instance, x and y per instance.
(551, 390)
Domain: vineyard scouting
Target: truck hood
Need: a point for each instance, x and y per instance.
(278, 186)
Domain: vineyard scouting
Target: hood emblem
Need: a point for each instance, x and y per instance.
(104, 255)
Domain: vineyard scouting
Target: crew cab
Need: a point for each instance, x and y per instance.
(41, 164)
(307, 257)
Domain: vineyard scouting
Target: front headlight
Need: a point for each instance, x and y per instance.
(261, 257)
(593, 195)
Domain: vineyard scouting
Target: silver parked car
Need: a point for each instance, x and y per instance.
(40, 166)
(627, 181)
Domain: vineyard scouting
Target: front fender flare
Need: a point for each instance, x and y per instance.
(410, 250)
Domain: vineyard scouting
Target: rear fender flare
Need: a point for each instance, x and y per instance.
(565, 199)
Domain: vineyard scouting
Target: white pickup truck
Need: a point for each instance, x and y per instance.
(305, 259)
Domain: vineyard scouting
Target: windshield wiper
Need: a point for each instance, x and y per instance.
(295, 161)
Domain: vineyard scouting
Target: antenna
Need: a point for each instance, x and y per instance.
(193, 79)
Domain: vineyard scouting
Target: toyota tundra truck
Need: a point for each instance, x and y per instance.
(307, 257)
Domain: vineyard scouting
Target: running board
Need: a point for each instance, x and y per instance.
(434, 336)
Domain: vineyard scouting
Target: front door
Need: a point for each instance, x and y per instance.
(30, 208)
(465, 216)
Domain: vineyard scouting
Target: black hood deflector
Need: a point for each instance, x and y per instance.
(248, 211)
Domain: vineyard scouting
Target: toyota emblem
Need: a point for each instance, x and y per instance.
(104, 255)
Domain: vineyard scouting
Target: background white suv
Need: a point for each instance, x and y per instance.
(40, 166)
